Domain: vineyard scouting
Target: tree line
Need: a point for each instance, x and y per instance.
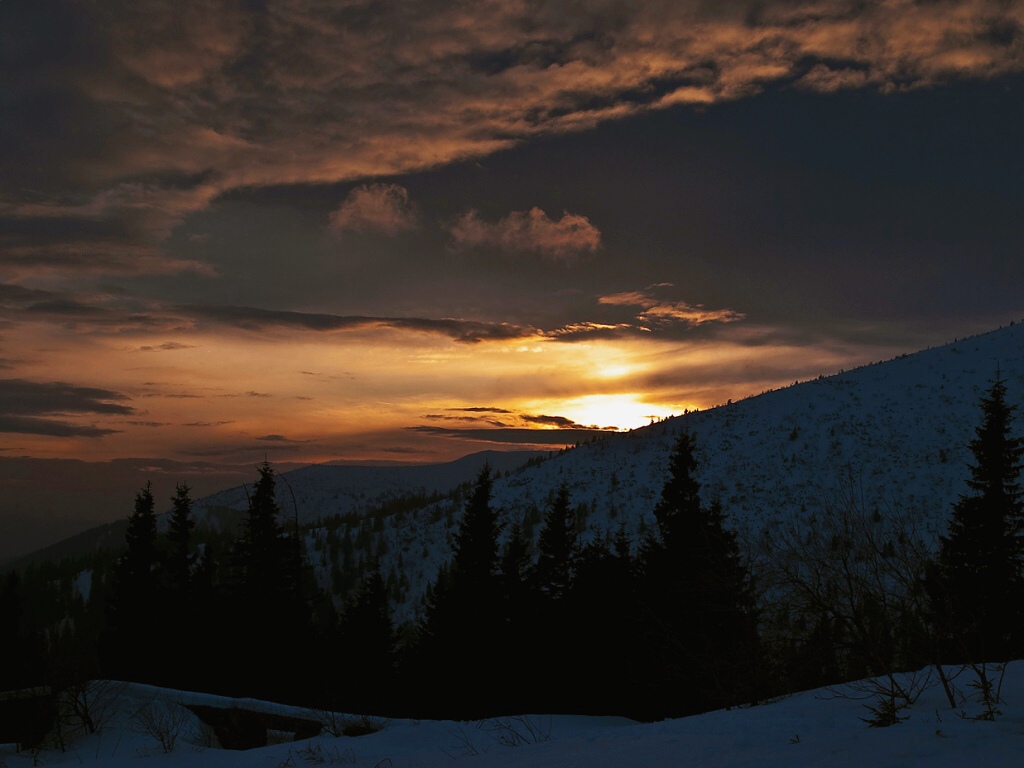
(675, 623)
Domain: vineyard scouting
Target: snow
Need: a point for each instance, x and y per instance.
(82, 584)
(814, 728)
(891, 435)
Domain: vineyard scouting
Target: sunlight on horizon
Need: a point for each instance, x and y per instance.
(622, 411)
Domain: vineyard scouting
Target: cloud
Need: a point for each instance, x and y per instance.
(560, 422)
(255, 319)
(513, 435)
(29, 425)
(18, 396)
(168, 346)
(161, 108)
(279, 439)
(657, 312)
(381, 208)
(26, 408)
(531, 230)
(825, 79)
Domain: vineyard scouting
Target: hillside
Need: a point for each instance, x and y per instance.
(891, 435)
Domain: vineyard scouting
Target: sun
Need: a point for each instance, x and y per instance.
(621, 411)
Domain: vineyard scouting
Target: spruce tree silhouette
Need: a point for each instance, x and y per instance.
(179, 536)
(181, 658)
(700, 616)
(270, 619)
(135, 601)
(368, 639)
(557, 548)
(461, 628)
(976, 585)
(517, 638)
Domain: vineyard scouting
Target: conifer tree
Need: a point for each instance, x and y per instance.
(135, 602)
(602, 627)
(515, 558)
(137, 565)
(267, 609)
(264, 553)
(557, 547)
(179, 535)
(976, 585)
(475, 552)
(368, 639)
(460, 631)
(518, 647)
(700, 612)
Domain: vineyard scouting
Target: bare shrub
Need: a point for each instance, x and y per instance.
(504, 731)
(202, 735)
(518, 730)
(853, 574)
(84, 708)
(316, 754)
(163, 721)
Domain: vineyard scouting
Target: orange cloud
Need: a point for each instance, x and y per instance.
(375, 208)
(657, 312)
(204, 97)
(531, 230)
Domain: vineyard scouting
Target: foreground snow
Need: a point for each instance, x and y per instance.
(815, 728)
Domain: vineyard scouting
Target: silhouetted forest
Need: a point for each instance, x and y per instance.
(676, 622)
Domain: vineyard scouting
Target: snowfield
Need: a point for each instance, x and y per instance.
(815, 728)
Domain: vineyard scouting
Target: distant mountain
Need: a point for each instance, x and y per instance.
(327, 490)
(892, 435)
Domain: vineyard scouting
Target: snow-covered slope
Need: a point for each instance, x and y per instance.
(893, 435)
(815, 728)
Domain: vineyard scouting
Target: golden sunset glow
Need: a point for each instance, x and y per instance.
(431, 229)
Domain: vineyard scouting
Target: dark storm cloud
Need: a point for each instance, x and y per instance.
(466, 419)
(114, 311)
(16, 294)
(119, 118)
(482, 409)
(561, 422)
(514, 435)
(29, 425)
(254, 319)
(677, 321)
(21, 397)
(26, 408)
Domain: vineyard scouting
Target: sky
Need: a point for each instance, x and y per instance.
(315, 231)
